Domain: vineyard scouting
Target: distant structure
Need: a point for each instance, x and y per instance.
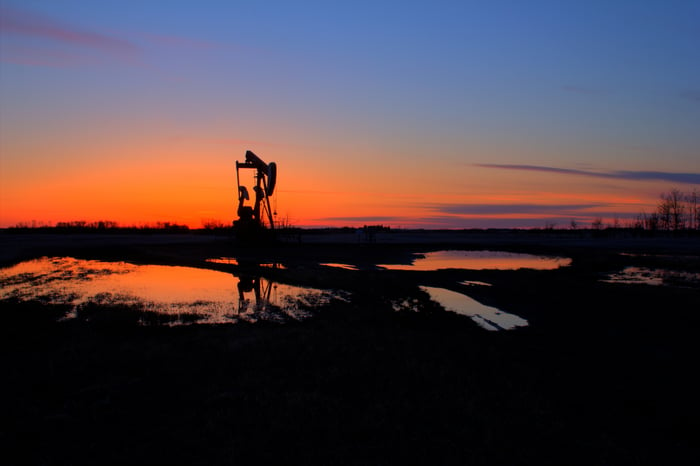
(256, 221)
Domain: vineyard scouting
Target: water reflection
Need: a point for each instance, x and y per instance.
(184, 293)
(481, 260)
(655, 276)
(474, 283)
(262, 299)
(234, 261)
(486, 317)
(340, 266)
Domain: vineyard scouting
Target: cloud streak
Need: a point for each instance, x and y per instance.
(32, 26)
(510, 209)
(687, 178)
(691, 94)
(368, 219)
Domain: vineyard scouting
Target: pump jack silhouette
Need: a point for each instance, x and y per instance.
(256, 222)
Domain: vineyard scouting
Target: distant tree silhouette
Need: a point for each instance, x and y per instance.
(693, 210)
(671, 211)
(213, 224)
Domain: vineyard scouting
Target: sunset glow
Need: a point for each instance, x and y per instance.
(408, 114)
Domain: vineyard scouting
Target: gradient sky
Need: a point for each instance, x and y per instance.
(436, 114)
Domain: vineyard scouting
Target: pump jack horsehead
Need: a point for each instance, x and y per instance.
(253, 221)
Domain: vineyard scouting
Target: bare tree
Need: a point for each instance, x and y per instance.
(663, 211)
(671, 210)
(693, 210)
(652, 222)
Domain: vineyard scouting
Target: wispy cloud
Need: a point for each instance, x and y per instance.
(691, 94)
(449, 221)
(689, 178)
(510, 209)
(452, 222)
(46, 33)
(360, 219)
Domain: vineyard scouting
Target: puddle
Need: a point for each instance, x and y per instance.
(184, 294)
(224, 260)
(474, 283)
(489, 318)
(340, 266)
(234, 261)
(481, 260)
(655, 276)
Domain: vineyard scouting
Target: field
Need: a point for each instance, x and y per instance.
(603, 373)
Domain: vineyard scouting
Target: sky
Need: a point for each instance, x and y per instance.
(413, 114)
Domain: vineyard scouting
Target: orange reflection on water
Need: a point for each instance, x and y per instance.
(487, 317)
(481, 260)
(74, 277)
(339, 265)
(167, 284)
(205, 295)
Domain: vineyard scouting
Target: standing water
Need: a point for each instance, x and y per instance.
(182, 293)
(481, 260)
(486, 317)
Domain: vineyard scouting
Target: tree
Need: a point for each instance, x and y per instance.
(693, 210)
(671, 211)
(212, 224)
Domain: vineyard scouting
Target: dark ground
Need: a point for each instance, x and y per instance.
(604, 374)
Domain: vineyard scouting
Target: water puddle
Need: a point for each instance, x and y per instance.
(234, 261)
(340, 266)
(481, 260)
(224, 260)
(489, 318)
(655, 276)
(474, 283)
(182, 294)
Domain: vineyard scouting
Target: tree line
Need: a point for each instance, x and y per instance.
(97, 226)
(675, 211)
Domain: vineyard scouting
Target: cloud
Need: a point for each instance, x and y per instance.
(371, 219)
(37, 56)
(449, 222)
(689, 178)
(691, 94)
(510, 209)
(51, 33)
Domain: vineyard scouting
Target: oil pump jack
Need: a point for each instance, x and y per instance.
(254, 221)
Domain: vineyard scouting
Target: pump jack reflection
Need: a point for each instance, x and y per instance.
(261, 290)
(261, 298)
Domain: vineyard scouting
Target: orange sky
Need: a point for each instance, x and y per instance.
(190, 182)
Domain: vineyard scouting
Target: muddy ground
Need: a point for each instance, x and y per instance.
(604, 374)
